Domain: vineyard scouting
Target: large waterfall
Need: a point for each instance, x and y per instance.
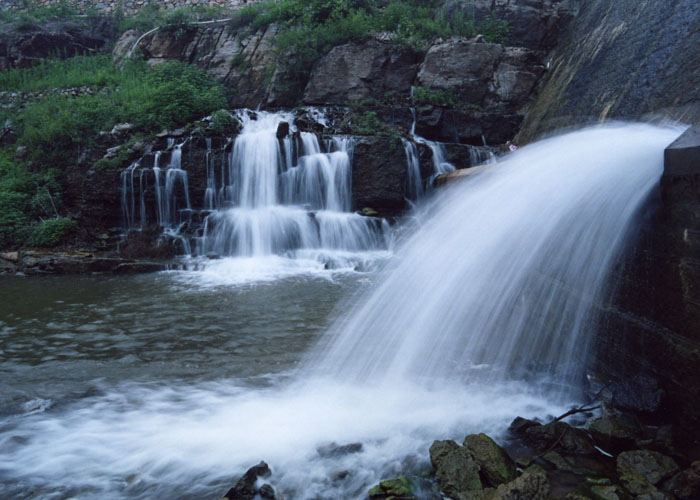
(504, 278)
(487, 312)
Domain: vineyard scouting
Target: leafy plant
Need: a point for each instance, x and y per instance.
(52, 232)
(438, 97)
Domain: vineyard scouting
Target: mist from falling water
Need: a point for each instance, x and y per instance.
(499, 282)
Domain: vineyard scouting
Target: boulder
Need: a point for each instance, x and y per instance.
(686, 484)
(495, 464)
(535, 25)
(532, 484)
(612, 436)
(559, 436)
(641, 470)
(379, 175)
(28, 45)
(392, 488)
(455, 470)
(351, 73)
(245, 488)
(682, 157)
(482, 75)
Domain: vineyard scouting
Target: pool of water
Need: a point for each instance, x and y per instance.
(171, 385)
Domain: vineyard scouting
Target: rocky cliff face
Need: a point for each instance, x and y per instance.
(626, 59)
(29, 44)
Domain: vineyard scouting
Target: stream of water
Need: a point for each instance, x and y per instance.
(172, 385)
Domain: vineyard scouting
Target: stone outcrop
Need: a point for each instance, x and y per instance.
(482, 75)
(238, 58)
(26, 46)
(247, 486)
(32, 263)
(379, 175)
(351, 73)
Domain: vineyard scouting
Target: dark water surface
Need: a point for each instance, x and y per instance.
(61, 335)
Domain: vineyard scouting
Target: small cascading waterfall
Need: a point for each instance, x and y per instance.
(210, 193)
(504, 276)
(274, 196)
(414, 183)
(414, 189)
(287, 197)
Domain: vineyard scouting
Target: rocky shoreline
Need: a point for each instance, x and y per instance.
(613, 455)
(43, 263)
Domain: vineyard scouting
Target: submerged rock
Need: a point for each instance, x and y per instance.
(246, 489)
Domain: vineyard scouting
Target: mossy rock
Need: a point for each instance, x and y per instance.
(495, 464)
(389, 488)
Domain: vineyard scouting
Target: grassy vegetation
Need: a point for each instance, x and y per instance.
(153, 15)
(311, 28)
(56, 129)
(424, 95)
(32, 14)
(25, 199)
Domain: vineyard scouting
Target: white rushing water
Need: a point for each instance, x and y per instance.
(499, 282)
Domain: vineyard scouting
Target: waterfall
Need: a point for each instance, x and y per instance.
(504, 277)
(288, 197)
(500, 283)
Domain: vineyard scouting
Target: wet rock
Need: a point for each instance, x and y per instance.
(531, 485)
(392, 488)
(520, 425)
(379, 175)
(456, 471)
(641, 470)
(336, 450)
(612, 436)
(607, 492)
(495, 464)
(558, 436)
(557, 461)
(282, 130)
(685, 484)
(267, 492)
(245, 488)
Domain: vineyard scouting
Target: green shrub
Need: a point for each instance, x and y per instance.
(52, 232)
(424, 95)
(168, 96)
(24, 197)
(368, 124)
(223, 122)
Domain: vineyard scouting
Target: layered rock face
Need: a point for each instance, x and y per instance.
(622, 60)
(490, 84)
